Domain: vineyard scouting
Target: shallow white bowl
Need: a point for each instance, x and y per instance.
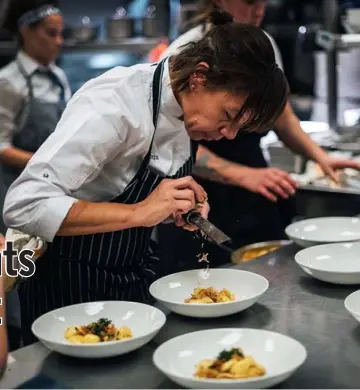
(173, 289)
(279, 354)
(145, 322)
(352, 304)
(333, 263)
(324, 230)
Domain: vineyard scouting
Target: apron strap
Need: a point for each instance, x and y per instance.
(27, 78)
(156, 100)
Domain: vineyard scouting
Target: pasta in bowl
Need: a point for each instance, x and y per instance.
(99, 329)
(213, 359)
(224, 292)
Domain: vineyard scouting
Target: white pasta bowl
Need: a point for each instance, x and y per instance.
(144, 321)
(332, 263)
(324, 230)
(280, 355)
(172, 290)
(352, 304)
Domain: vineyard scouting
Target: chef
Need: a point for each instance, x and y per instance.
(250, 201)
(33, 94)
(120, 161)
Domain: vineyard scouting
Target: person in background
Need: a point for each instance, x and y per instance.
(33, 95)
(250, 201)
(3, 332)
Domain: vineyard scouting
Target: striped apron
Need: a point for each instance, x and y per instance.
(110, 266)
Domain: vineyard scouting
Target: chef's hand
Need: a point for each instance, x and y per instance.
(330, 165)
(203, 209)
(171, 197)
(269, 182)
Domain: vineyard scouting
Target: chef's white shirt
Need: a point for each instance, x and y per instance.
(14, 92)
(196, 33)
(97, 149)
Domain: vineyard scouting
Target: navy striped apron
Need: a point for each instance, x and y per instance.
(111, 266)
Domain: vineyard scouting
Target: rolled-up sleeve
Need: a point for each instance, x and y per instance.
(10, 104)
(90, 133)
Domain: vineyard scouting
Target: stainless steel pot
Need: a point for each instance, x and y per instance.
(84, 32)
(120, 26)
(150, 24)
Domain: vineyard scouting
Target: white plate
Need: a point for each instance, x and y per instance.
(145, 322)
(279, 354)
(324, 230)
(173, 289)
(352, 304)
(333, 263)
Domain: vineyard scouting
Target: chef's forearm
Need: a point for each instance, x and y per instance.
(212, 167)
(92, 218)
(15, 157)
(289, 131)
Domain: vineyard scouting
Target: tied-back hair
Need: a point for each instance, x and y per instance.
(12, 10)
(241, 61)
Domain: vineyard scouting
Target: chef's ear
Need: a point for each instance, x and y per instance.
(198, 78)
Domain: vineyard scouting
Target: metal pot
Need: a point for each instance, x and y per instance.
(85, 32)
(120, 26)
(150, 24)
(254, 251)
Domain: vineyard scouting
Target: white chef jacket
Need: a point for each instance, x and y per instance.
(97, 149)
(14, 92)
(196, 33)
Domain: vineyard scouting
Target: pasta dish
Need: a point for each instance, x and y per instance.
(210, 295)
(96, 332)
(231, 364)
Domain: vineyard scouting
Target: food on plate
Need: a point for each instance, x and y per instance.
(231, 364)
(210, 295)
(96, 332)
(257, 252)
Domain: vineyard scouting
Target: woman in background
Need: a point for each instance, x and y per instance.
(33, 95)
(250, 201)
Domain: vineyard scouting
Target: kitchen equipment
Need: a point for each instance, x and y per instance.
(172, 290)
(280, 355)
(326, 230)
(254, 251)
(120, 26)
(150, 24)
(332, 263)
(193, 217)
(145, 321)
(84, 32)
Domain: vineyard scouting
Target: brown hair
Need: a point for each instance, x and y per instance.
(241, 60)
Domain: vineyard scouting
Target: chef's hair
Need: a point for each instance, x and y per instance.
(241, 61)
(13, 10)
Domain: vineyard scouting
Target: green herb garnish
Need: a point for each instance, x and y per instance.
(227, 355)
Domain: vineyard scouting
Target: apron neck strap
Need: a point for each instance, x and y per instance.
(156, 102)
(27, 77)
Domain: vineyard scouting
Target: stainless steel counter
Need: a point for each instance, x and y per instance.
(295, 304)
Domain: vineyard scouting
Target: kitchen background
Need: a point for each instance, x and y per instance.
(284, 20)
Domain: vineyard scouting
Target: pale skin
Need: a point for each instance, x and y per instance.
(42, 43)
(272, 183)
(3, 333)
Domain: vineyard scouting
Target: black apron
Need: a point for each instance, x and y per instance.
(245, 216)
(37, 120)
(112, 266)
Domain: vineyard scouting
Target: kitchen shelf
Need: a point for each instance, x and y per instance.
(330, 41)
(135, 45)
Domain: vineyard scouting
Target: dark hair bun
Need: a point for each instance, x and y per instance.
(219, 17)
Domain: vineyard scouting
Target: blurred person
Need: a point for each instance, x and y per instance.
(33, 95)
(250, 201)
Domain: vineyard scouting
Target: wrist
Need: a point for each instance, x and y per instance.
(236, 173)
(138, 215)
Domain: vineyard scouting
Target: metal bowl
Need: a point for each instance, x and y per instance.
(254, 251)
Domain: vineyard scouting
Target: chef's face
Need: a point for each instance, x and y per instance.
(44, 41)
(209, 115)
(245, 11)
